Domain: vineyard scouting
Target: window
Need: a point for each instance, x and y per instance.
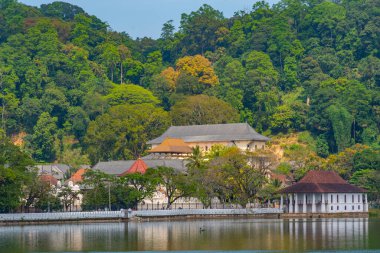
(331, 198)
(332, 208)
(358, 207)
(337, 208)
(345, 207)
(345, 199)
(359, 198)
(353, 208)
(248, 146)
(337, 198)
(353, 200)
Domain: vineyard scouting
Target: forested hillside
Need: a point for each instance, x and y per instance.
(74, 91)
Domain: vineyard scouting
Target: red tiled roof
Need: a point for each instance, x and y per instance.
(139, 166)
(319, 181)
(47, 178)
(77, 177)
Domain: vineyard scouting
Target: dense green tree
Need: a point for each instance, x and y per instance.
(130, 94)
(122, 133)
(97, 195)
(341, 122)
(202, 109)
(370, 180)
(15, 173)
(199, 30)
(174, 184)
(238, 177)
(41, 142)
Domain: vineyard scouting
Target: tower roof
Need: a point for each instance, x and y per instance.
(139, 166)
(172, 145)
(77, 177)
(319, 181)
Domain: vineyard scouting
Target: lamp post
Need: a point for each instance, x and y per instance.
(109, 195)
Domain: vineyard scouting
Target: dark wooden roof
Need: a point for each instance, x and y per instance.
(210, 133)
(318, 181)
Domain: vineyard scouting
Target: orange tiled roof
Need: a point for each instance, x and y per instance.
(139, 166)
(171, 145)
(77, 177)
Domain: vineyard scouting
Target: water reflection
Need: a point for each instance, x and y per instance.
(223, 234)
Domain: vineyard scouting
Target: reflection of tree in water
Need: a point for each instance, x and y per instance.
(217, 234)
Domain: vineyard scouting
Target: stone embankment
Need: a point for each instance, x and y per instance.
(125, 215)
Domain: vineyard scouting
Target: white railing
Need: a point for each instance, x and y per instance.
(189, 212)
(19, 217)
(61, 216)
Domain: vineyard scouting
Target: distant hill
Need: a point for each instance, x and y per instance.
(81, 91)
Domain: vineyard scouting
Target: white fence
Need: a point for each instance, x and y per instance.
(61, 216)
(196, 212)
(19, 217)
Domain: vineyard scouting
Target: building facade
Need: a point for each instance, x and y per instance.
(323, 192)
(241, 135)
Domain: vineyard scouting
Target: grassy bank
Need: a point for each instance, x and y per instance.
(374, 213)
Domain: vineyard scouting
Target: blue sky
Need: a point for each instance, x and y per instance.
(141, 18)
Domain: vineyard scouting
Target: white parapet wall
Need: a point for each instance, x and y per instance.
(122, 214)
(200, 212)
(61, 216)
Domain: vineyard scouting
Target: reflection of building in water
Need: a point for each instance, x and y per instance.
(60, 237)
(222, 234)
(324, 192)
(290, 235)
(327, 234)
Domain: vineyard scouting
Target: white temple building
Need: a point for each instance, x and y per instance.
(323, 192)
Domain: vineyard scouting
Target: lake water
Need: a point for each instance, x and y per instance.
(210, 234)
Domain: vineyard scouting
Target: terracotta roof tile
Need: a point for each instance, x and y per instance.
(139, 166)
(77, 177)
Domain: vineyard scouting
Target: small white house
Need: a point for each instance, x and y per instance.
(324, 192)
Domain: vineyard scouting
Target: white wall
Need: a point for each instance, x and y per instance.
(333, 202)
(345, 202)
